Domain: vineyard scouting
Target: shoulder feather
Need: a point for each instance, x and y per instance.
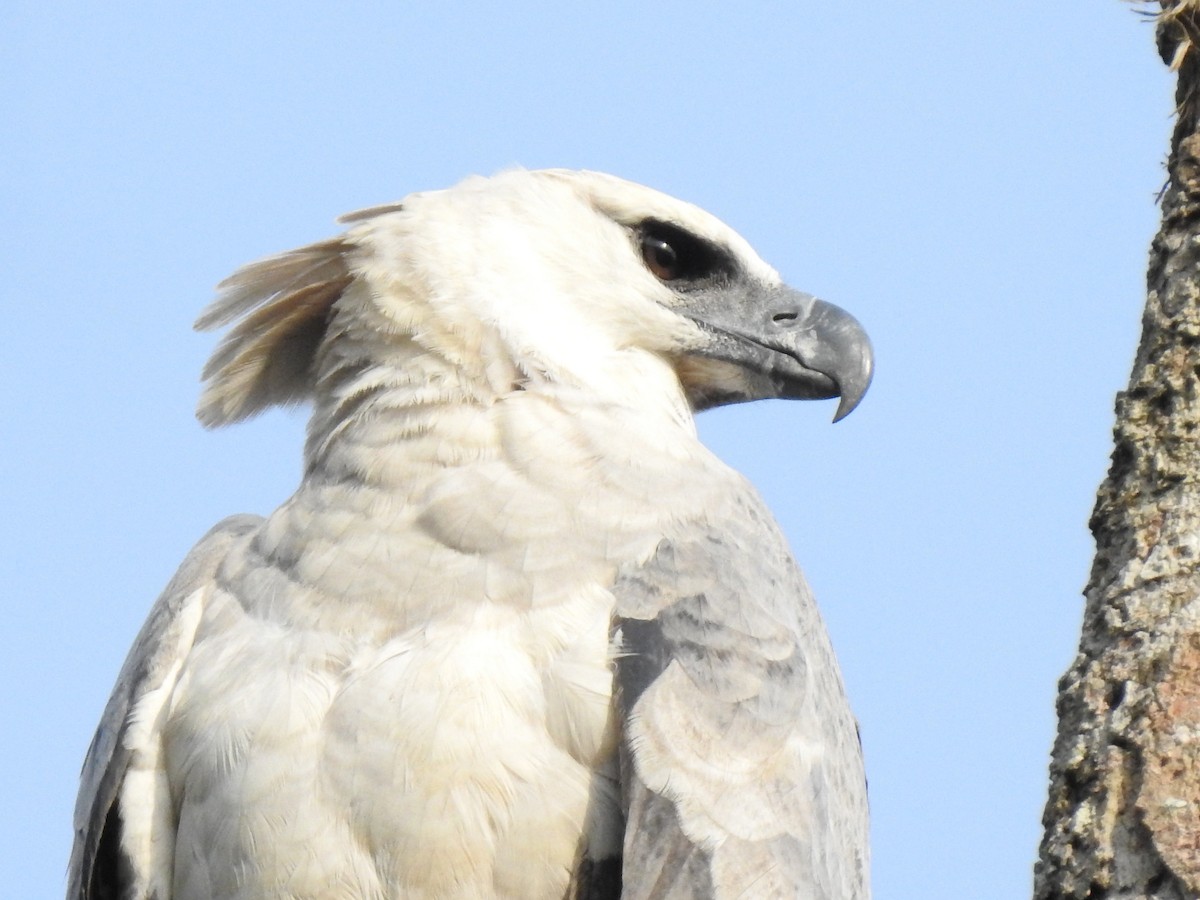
(741, 770)
(98, 869)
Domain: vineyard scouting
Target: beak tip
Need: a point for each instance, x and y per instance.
(853, 392)
(846, 406)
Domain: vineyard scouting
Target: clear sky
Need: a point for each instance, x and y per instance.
(975, 181)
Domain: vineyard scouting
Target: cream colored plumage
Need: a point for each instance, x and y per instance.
(401, 682)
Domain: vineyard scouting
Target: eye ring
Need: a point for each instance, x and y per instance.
(660, 258)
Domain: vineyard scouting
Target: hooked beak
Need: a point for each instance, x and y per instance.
(780, 343)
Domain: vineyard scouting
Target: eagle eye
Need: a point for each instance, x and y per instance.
(672, 254)
(660, 258)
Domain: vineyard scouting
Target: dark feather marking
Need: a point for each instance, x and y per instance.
(597, 879)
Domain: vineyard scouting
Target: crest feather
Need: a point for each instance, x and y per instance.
(283, 303)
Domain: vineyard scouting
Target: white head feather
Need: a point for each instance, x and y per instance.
(518, 277)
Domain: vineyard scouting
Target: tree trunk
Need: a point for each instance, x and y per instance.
(1123, 815)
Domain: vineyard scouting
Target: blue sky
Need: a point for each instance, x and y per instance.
(974, 181)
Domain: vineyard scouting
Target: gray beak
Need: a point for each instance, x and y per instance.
(828, 340)
(785, 343)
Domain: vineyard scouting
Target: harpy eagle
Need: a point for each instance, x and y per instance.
(518, 633)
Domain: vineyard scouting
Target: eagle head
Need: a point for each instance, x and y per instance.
(528, 278)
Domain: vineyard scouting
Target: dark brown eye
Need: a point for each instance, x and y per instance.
(680, 258)
(660, 258)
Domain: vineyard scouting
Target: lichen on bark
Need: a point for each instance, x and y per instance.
(1123, 815)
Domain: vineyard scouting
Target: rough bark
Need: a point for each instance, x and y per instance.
(1123, 815)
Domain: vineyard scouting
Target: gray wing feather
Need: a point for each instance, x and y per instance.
(741, 769)
(96, 870)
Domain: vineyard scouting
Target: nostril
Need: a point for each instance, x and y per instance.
(785, 317)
